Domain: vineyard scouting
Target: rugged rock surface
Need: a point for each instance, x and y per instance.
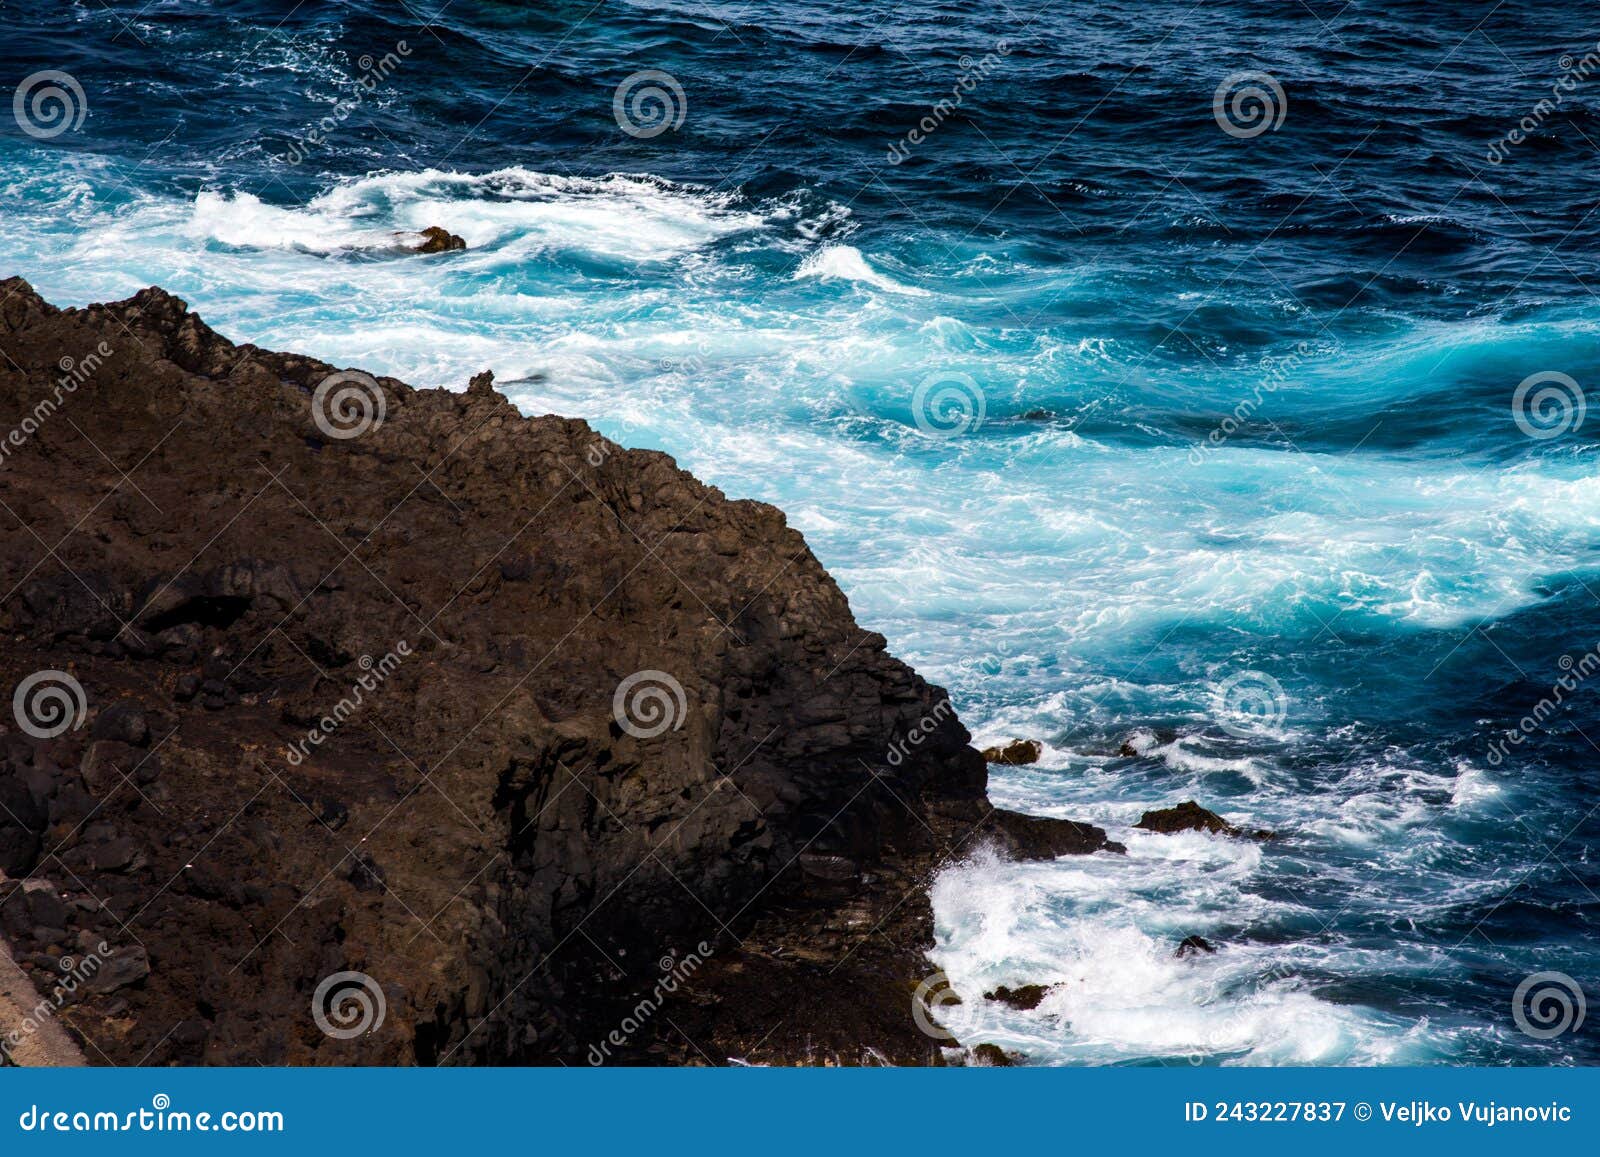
(1189, 816)
(1015, 753)
(575, 758)
(1024, 997)
(993, 1056)
(437, 240)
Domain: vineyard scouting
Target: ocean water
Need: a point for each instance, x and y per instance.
(1143, 419)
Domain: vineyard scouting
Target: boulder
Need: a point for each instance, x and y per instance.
(123, 722)
(437, 240)
(1018, 751)
(1024, 996)
(992, 1056)
(1026, 837)
(1188, 816)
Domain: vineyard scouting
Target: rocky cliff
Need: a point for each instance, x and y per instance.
(353, 723)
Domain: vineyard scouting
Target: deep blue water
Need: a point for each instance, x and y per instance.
(1127, 428)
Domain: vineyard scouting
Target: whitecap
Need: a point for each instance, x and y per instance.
(846, 263)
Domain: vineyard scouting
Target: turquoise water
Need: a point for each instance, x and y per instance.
(1125, 429)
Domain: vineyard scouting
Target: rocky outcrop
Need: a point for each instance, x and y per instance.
(1024, 997)
(1037, 838)
(364, 724)
(1189, 816)
(992, 1056)
(1192, 945)
(437, 240)
(1015, 753)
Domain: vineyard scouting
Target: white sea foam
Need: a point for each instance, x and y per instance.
(1104, 929)
(616, 217)
(1055, 576)
(846, 263)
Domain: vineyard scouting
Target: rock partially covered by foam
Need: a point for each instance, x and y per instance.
(1024, 997)
(1018, 751)
(437, 240)
(1189, 816)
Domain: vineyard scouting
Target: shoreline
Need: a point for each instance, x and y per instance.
(632, 721)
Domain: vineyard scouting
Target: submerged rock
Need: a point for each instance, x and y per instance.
(1192, 944)
(1018, 751)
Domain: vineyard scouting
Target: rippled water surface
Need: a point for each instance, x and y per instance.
(1115, 422)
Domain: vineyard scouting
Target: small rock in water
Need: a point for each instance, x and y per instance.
(994, 1057)
(1193, 944)
(437, 240)
(1018, 751)
(1024, 996)
(1139, 743)
(1189, 816)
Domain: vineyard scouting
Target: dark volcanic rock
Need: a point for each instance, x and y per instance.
(437, 240)
(993, 1056)
(1024, 996)
(1188, 816)
(1041, 838)
(1018, 751)
(124, 722)
(502, 717)
(1192, 944)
